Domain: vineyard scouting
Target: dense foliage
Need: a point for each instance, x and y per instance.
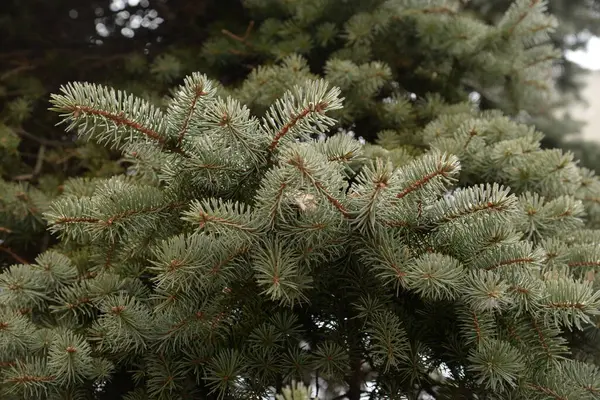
(243, 238)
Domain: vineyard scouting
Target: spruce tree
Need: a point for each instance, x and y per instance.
(240, 254)
(249, 245)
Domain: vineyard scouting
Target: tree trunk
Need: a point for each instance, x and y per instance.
(355, 380)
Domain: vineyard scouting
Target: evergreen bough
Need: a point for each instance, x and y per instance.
(383, 53)
(239, 254)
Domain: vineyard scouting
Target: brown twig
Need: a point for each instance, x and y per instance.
(14, 255)
(41, 140)
(14, 71)
(38, 166)
(241, 39)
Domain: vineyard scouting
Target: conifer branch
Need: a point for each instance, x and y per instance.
(476, 326)
(126, 117)
(398, 224)
(204, 218)
(297, 161)
(440, 10)
(238, 252)
(371, 192)
(566, 305)
(437, 10)
(216, 215)
(336, 203)
(278, 200)
(198, 92)
(423, 172)
(421, 182)
(302, 110)
(541, 337)
(293, 121)
(511, 262)
(81, 301)
(188, 103)
(474, 200)
(542, 27)
(117, 217)
(31, 379)
(75, 220)
(121, 120)
(109, 255)
(584, 264)
(547, 391)
(522, 16)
